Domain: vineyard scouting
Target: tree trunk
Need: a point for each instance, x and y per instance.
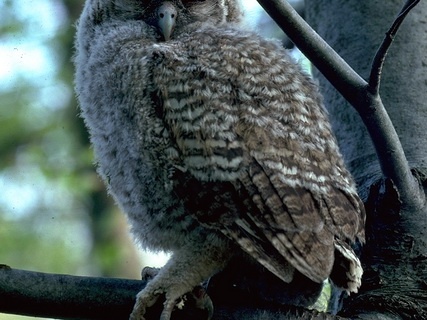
(395, 256)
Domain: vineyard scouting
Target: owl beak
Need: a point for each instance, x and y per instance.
(166, 19)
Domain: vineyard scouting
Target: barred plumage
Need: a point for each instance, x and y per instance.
(212, 140)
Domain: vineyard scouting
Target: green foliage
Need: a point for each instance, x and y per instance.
(28, 247)
(55, 215)
(47, 179)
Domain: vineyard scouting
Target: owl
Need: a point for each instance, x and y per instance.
(215, 144)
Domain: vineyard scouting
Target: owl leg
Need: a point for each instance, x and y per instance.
(183, 272)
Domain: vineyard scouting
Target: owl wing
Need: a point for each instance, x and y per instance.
(258, 160)
(297, 223)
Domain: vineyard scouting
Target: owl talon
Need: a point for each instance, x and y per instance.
(197, 299)
(203, 301)
(148, 273)
(144, 300)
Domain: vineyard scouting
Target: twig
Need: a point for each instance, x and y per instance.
(378, 63)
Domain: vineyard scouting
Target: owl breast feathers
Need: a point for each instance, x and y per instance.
(214, 143)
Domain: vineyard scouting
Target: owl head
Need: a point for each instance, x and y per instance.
(168, 18)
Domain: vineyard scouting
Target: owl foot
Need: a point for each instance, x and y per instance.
(195, 304)
(148, 273)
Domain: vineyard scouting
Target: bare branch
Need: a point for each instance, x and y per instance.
(390, 152)
(378, 63)
(391, 155)
(72, 297)
(330, 64)
(65, 297)
(356, 91)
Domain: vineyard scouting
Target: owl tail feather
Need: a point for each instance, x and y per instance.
(347, 271)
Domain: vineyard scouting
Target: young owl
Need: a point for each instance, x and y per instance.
(214, 143)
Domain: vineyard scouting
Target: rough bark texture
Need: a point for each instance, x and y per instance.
(395, 256)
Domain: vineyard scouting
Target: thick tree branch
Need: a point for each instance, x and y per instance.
(73, 297)
(365, 99)
(64, 296)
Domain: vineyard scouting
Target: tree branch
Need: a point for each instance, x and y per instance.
(329, 63)
(390, 152)
(73, 297)
(364, 98)
(64, 296)
(377, 65)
